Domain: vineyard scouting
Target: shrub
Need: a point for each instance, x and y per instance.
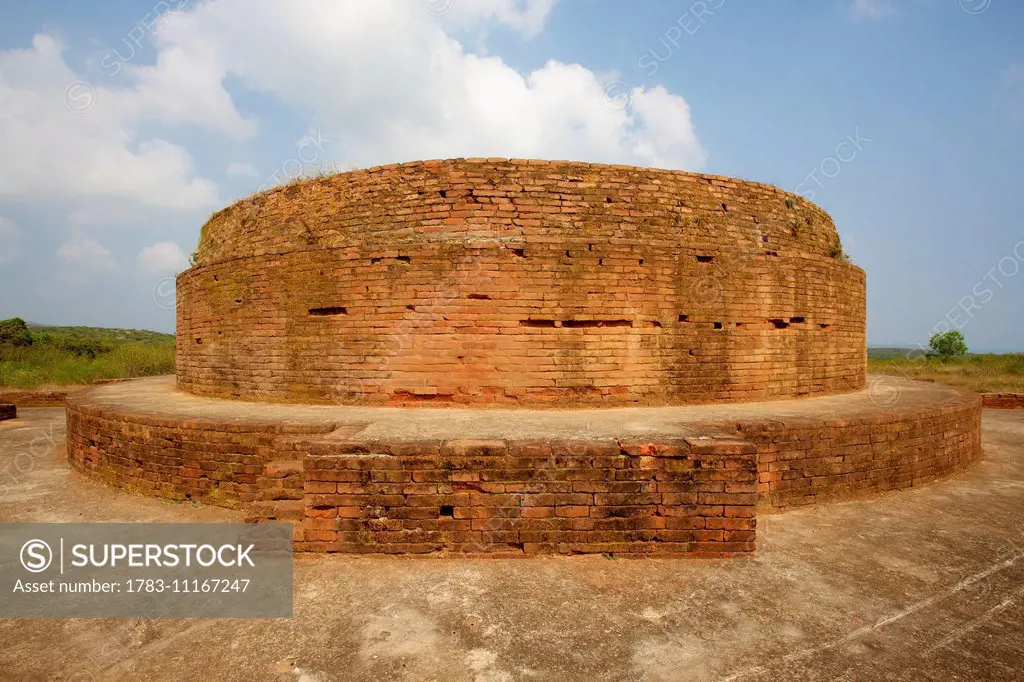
(60, 356)
(836, 250)
(14, 332)
(86, 348)
(947, 344)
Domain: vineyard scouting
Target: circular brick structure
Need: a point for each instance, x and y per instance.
(527, 283)
(671, 318)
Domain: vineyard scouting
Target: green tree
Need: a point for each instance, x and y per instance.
(14, 332)
(946, 344)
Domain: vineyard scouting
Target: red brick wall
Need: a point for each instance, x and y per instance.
(499, 497)
(671, 495)
(477, 497)
(804, 462)
(495, 281)
(1003, 401)
(214, 462)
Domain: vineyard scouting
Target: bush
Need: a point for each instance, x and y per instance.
(60, 356)
(984, 373)
(53, 364)
(86, 348)
(947, 344)
(14, 332)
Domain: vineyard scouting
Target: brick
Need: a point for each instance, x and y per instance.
(283, 468)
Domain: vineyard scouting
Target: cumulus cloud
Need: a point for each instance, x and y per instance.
(89, 134)
(387, 80)
(525, 16)
(10, 236)
(87, 254)
(182, 88)
(238, 169)
(872, 9)
(383, 81)
(163, 258)
(393, 84)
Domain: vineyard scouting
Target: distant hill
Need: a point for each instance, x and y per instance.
(101, 333)
(886, 353)
(36, 355)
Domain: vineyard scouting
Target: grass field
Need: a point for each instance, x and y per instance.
(981, 373)
(63, 356)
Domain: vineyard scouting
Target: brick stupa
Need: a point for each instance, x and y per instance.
(497, 356)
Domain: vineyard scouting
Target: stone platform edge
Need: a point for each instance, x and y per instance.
(694, 495)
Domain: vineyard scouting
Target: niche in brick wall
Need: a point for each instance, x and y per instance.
(329, 311)
(576, 324)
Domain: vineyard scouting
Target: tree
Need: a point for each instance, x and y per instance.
(14, 332)
(946, 344)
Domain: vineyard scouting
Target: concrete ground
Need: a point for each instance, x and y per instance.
(921, 584)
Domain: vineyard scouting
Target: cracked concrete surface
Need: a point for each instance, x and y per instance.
(921, 584)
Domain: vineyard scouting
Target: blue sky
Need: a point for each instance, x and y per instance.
(124, 125)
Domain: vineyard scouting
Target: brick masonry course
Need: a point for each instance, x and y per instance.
(529, 283)
(674, 480)
(1003, 401)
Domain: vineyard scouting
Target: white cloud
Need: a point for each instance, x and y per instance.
(238, 169)
(183, 87)
(386, 79)
(525, 16)
(94, 151)
(87, 254)
(163, 258)
(382, 81)
(872, 9)
(10, 237)
(391, 85)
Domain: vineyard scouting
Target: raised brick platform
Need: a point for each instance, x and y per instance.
(649, 481)
(8, 411)
(1003, 401)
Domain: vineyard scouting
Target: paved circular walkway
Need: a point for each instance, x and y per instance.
(157, 398)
